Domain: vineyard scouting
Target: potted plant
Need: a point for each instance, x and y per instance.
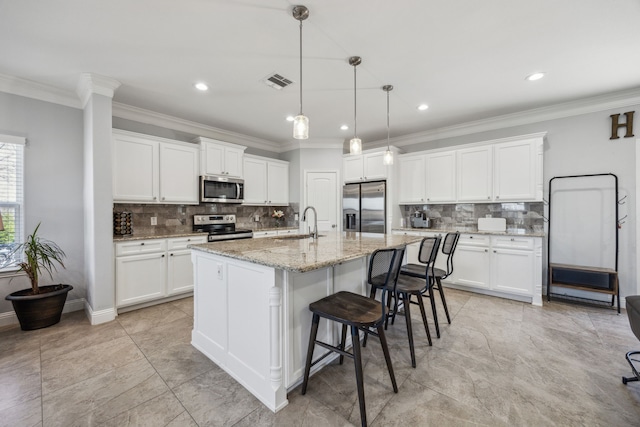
(38, 306)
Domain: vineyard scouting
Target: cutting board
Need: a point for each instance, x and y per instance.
(492, 224)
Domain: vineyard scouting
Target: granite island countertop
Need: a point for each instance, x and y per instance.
(306, 254)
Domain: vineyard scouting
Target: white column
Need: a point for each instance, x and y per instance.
(96, 93)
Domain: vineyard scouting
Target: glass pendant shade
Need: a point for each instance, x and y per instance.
(301, 127)
(388, 157)
(355, 146)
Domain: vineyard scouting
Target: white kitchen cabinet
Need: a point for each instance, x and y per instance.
(220, 158)
(266, 181)
(364, 167)
(178, 174)
(472, 261)
(153, 269)
(474, 174)
(512, 265)
(412, 179)
(148, 169)
(514, 171)
(440, 175)
(287, 232)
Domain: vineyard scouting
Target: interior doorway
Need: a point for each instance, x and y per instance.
(322, 192)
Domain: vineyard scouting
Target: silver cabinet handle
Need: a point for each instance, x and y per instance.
(155, 198)
(162, 255)
(486, 250)
(495, 252)
(170, 254)
(142, 244)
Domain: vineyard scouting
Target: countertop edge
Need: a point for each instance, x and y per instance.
(491, 233)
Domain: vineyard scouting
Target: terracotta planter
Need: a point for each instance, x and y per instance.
(41, 310)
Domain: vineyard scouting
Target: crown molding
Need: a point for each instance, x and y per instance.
(141, 115)
(39, 91)
(312, 143)
(90, 83)
(592, 104)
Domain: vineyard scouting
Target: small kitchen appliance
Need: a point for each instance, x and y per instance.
(219, 227)
(421, 220)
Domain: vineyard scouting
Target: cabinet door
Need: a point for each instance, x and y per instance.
(514, 171)
(178, 174)
(179, 272)
(471, 266)
(255, 181)
(233, 162)
(278, 183)
(412, 179)
(474, 174)
(512, 271)
(213, 159)
(352, 168)
(440, 177)
(140, 278)
(373, 165)
(135, 169)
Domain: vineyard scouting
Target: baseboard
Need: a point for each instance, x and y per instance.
(9, 317)
(99, 316)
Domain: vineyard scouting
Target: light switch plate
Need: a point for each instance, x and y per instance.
(154, 220)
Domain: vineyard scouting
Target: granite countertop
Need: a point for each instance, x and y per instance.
(302, 255)
(510, 232)
(154, 236)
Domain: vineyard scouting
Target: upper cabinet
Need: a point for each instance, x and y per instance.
(364, 167)
(475, 174)
(149, 169)
(220, 158)
(515, 171)
(440, 171)
(266, 181)
(412, 179)
(506, 170)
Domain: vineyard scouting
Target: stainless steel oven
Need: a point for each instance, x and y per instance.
(221, 189)
(219, 227)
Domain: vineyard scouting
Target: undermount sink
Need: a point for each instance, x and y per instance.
(298, 236)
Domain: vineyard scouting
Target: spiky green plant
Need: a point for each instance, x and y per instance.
(39, 254)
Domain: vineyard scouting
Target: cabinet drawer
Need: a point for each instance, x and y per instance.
(141, 247)
(407, 233)
(474, 240)
(183, 242)
(258, 234)
(285, 232)
(512, 242)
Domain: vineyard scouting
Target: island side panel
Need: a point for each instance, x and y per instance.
(250, 309)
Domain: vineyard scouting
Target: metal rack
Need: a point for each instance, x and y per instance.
(583, 277)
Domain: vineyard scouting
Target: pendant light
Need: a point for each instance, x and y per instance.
(355, 145)
(300, 122)
(388, 155)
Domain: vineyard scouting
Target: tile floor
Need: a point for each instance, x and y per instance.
(500, 363)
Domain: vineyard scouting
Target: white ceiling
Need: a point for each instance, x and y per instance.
(467, 59)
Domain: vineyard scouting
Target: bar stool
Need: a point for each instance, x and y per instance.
(425, 271)
(408, 286)
(361, 314)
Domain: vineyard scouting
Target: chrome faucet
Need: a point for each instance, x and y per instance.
(313, 234)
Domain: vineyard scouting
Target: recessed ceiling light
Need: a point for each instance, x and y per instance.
(201, 86)
(422, 107)
(535, 76)
(290, 118)
(344, 127)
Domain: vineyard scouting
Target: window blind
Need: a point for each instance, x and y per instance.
(11, 196)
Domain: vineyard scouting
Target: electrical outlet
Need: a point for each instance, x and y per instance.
(295, 217)
(154, 220)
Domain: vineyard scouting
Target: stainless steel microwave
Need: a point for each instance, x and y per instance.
(221, 189)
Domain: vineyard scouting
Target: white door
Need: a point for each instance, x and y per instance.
(322, 194)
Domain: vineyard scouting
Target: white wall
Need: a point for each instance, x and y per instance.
(53, 183)
(581, 145)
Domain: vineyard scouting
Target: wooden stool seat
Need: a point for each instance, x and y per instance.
(348, 308)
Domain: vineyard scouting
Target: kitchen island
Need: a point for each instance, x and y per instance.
(251, 301)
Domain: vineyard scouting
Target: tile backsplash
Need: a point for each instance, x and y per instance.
(177, 219)
(527, 216)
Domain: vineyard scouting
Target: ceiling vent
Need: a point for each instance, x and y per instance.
(277, 81)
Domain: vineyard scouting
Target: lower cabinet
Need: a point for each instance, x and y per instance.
(273, 233)
(501, 265)
(151, 269)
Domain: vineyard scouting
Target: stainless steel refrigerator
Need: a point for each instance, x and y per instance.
(364, 207)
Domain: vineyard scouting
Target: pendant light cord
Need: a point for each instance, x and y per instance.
(388, 121)
(301, 68)
(355, 104)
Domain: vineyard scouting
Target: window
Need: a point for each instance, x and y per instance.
(11, 197)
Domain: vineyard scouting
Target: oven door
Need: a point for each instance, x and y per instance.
(220, 189)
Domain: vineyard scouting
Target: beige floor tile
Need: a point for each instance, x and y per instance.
(159, 411)
(24, 413)
(88, 362)
(20, 383)
(179, 363)
(164, 335)
(185, 305)
(141, 320)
